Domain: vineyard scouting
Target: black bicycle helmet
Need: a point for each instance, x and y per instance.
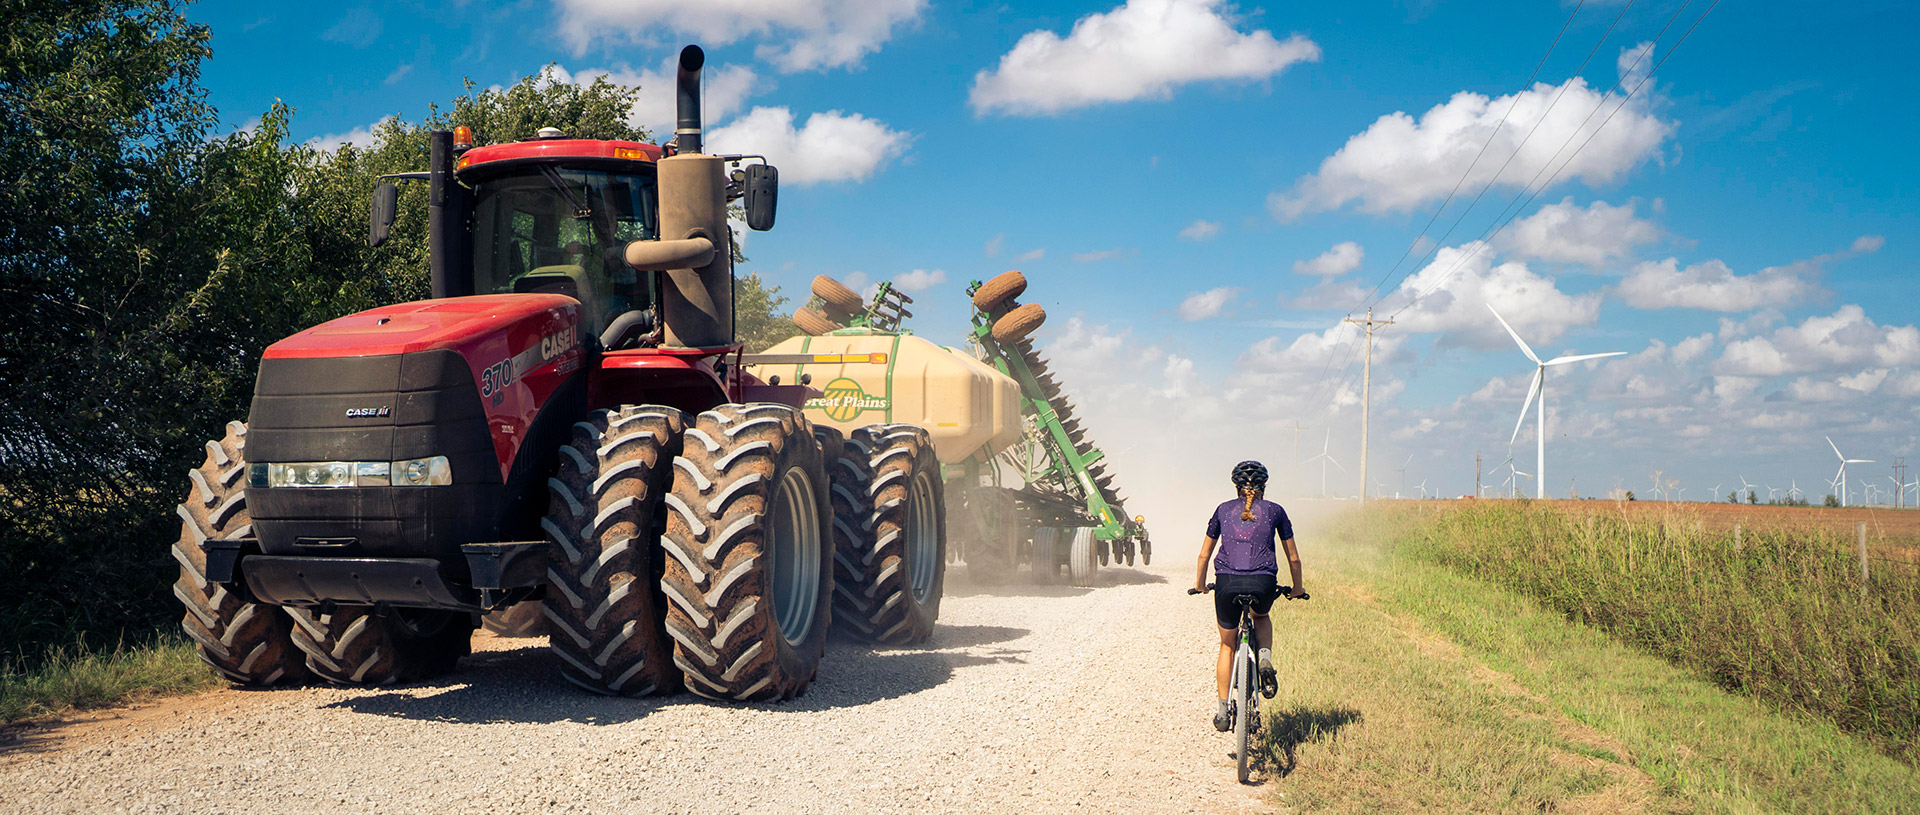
(1250, 474)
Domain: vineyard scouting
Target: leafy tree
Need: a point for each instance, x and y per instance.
(1630, 495)
(1832, 501)
(1752, 497)
(757, 312)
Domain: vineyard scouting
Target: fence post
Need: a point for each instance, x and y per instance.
(1863, 558)
(1736, 536)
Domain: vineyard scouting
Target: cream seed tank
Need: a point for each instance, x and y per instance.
(1021, 483)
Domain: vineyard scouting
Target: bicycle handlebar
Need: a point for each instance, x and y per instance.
(1284, 591)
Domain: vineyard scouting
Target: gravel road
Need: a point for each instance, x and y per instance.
(1028, 698)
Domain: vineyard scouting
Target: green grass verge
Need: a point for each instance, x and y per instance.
(1782, 615)
(1408, 685)
(78, 678)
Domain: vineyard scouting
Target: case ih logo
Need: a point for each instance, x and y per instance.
(495, 379)
(845, 399)
(369, 413)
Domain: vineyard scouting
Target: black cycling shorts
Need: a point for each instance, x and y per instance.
(1264, 588)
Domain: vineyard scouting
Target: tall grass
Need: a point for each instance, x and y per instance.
(1781, 616)
(79, 677)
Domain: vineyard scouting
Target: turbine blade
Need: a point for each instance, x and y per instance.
(1580, 357)
(1532, 389)
(1836, 448)
(1515, 335)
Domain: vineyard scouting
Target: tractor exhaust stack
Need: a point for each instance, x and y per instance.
(686, 130)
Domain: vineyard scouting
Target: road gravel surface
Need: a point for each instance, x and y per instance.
(1027, 699)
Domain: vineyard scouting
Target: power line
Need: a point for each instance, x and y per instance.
(1544, 115)
(1493, 231)
(1488, 143)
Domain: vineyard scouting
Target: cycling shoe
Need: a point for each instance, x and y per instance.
(1269, 684)
(1222, 717)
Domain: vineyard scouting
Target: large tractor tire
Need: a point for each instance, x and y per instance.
(364, 645)
(605, 616)
(813, 322)
(1015, 325)
(1003, 287)
(522, 619)
(248, 643)
(901, 569)
(837, 297)
(1083, 559)
(849, 475)
(991, 551)
(749, 577)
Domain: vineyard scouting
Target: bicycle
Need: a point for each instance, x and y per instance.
(1243, 706)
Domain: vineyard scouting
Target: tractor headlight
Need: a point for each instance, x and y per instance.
(418, 472)
(422, 472)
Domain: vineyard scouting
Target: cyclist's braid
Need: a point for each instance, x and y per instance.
(1247, 496)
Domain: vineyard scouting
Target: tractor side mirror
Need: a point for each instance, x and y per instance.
(386, 201)
(763, 195)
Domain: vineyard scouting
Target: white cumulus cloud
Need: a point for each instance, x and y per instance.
(361, 137)
(1568, 233)
(723, 91)
(799, 35)
(1712, 286)
(1202, 305)
(1400, 162)
(1142, 50)
(1844, 340)
(1462, 281)
(1344, 257)
(831, 146)
(1201, 230)
(919, 280)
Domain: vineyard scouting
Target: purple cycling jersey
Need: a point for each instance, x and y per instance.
(1247, 547)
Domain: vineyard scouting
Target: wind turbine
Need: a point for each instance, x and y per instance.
(1746, 489)
(1841, 477)
(1403, 474)
(1423, 488)
(1771, 490)
(1539, 386)
(1793, 490)
(1325, 458)
(1716, 490)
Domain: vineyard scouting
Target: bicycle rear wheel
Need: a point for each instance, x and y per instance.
(1247, 712)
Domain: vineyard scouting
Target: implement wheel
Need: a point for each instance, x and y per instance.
(523, 619)
(1015, 325)
(248, 643)
(602, 606)
(994, 293)
(813, 322)
(1083, 559)
(749, 577)
(838, 299)
(990, 551)
(900, 571)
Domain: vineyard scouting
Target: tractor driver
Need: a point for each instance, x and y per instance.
(1245, 529)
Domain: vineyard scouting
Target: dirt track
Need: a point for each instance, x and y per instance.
(1028, 699)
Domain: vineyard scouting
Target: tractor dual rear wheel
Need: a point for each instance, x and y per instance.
(749, 539)
(248, 643)
(605, 616)
(898, 573)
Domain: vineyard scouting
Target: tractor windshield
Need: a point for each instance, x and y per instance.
(563, 230)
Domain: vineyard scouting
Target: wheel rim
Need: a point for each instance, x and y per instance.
(794, 547)
(923, 538)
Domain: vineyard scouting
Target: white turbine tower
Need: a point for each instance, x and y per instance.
(1325, 458)
(1539, 387)
(1841, 477)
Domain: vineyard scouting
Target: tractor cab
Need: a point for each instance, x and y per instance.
(559, 226)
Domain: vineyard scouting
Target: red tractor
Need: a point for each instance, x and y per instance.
(568, 421)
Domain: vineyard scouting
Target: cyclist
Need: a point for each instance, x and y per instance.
(1245, 528)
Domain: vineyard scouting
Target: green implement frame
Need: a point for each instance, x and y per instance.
(1066, 484)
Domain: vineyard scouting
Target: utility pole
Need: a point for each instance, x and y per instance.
(1899, 482)
(1297, 428)
(1366, 396)
(1476, 475)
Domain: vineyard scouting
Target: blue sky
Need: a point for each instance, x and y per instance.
(1199, 191)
